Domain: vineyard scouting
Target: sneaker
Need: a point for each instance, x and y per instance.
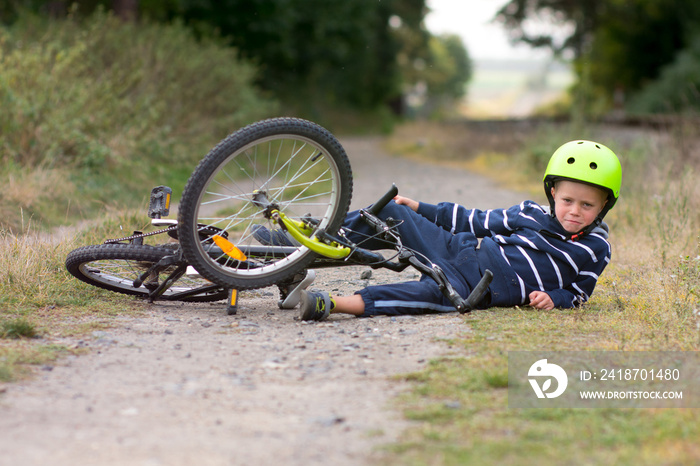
(314, 305)
(275, 237)
(290, 290)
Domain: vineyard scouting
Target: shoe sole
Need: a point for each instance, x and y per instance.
(303, 301)
(305, 305)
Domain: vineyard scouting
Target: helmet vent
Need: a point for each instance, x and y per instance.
(571, 160)
(593, 165)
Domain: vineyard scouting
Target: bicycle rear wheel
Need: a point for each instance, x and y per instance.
(114, 267)
(288, 164)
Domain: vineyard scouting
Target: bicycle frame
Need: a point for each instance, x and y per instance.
(331, 251)
(338, 252)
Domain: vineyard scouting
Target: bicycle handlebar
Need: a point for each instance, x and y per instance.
(478, 292)
(375, 208)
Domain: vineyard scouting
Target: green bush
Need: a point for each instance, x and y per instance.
(113, 107)
(678, 87)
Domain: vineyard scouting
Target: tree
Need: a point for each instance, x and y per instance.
(580, 18)
(344, 52)
(449, 67)
(125, 9)
(617, 45)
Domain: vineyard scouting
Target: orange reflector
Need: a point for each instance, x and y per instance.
(229, 248)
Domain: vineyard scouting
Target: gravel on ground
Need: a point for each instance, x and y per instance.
(184, 384)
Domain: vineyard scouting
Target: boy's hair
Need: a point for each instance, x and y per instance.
(555, 182)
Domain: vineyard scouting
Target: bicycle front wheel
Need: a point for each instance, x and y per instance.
(287, 164)
(114, 267)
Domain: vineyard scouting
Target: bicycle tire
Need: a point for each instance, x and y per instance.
(114, 267)
(295, 164)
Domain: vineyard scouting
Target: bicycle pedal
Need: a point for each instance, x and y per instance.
(163, 222)
(294, 296)
(159, 205)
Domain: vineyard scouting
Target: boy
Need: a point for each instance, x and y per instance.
(544, 257)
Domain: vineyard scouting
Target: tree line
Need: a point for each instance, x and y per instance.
(360, 54)
(643, 55)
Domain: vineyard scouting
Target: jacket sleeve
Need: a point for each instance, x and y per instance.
(580, 290)
(456, 218)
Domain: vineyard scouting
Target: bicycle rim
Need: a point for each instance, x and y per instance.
(289, 165)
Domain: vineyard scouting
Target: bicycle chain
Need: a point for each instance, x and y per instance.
(141, 235)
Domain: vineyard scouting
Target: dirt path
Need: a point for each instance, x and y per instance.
(187, 384)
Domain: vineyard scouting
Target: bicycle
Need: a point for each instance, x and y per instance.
(282, 173)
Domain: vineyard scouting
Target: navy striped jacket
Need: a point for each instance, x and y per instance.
(528, 250)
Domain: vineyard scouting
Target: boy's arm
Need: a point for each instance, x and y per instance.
(456, 218)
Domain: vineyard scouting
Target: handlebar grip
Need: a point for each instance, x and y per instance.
(384, 200)
(479, 291)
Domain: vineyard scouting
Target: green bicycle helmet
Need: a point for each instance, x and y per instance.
(586, 162)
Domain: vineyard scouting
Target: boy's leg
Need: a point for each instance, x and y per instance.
(408, 298)
(455, 254)
(417, 232)
(352, 304)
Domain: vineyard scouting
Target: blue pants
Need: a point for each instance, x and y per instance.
(455, 254)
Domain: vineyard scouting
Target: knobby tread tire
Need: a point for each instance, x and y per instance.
(85, 255)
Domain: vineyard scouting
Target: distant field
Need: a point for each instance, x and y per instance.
(502, 89)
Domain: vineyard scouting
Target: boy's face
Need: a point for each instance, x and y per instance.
(576, 205)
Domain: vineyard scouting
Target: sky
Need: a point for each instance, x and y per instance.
(471, 20)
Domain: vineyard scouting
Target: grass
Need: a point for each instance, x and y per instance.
(460, 405)
(41, 304)
(17, 328)
(648, 299)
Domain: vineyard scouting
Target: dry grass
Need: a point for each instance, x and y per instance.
(38, 190)
(41, 305)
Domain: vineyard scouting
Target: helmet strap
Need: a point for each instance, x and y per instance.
(575, 236)
(595, 224)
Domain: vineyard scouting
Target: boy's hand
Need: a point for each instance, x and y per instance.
(413, 205)
(541, 300)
